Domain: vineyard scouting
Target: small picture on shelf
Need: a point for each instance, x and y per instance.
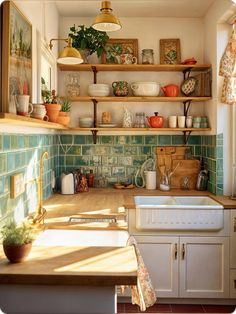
(170, 51)
(121, 51)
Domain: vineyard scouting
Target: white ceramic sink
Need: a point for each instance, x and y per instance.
(61, 237)
(178, 213)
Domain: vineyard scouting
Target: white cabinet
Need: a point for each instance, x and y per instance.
(188, 267)
(233, 254)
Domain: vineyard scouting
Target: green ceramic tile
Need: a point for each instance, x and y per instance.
(219, 191)
(219, 179)
(120, 140)
(130, 150)
(74, 150)
(33, 141)
(81, 161)
(198, 151)
(13, 140)
(138, 160)
(134, 140)
(10, 162)
(109, 160)
(117, 150)
(219, 152)
(3, 163)
(108, 139)
(87, 150)
(21, 141)
(66, 139)
(6, 142)
(219, 165)
(1, 142)
(3, 206)
(95, 160)
(130, 171)
(19, 160)
(177, 140)
(89, 139)
(146, 150)
(125, 161)
(164, 140)
(79, 139)
(194, 140)
(6, 184)
(1, 185)
(118, 171)
(150, 140)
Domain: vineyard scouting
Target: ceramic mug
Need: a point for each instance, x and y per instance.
(23, 106)
(172, 121)
(127, 58)
(120, 88)
(106, 117)
(40, 116)
(181, 121)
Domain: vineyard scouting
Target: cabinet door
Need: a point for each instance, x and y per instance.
(233, 239)
(204, 267)
(160, 255)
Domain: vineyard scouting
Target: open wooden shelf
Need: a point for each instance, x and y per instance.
(138, 99)
(11, 118)
(143, 129)
(135, 67)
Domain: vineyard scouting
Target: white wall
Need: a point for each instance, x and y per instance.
(148, 31)
(217, 32)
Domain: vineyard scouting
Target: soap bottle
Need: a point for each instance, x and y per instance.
(90, 178)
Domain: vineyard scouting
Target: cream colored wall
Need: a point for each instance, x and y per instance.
(217, 32)
(148, 31)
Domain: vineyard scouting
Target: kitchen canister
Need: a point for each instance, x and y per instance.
(151, 180)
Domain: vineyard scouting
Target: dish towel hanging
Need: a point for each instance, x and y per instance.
(143, 294)
(228, 71)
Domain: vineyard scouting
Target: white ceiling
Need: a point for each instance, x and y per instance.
(136, 8)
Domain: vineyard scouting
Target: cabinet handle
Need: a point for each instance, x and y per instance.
(234, 224)
(183, 251)
(175, 251)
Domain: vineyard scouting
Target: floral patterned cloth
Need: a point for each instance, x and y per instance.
(228, 70)
(143, 294)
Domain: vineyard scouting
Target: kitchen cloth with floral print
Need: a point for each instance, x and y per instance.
(228, 71)
(143, 294)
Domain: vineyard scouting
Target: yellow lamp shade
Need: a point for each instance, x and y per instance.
(70, 55)
(106, 21)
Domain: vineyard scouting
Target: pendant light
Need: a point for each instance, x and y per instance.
(68, 55)
(106, 21)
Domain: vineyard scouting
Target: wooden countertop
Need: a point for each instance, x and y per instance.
(106, 203)
(72, 266)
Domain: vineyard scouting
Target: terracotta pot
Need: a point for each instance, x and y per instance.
(53, 111)
(17, 253)
(63, 118)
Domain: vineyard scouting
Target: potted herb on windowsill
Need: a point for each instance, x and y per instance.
(88, 40)
(50, 102)
(17, 241)
(63, 117)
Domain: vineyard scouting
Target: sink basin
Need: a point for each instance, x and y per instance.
(178, 213)
(61, 237)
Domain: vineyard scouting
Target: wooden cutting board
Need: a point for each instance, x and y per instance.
(168, 157)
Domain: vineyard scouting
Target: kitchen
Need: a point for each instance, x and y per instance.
(117, 155)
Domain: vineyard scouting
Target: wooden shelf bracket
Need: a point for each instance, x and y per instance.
(187, 104)
(186, 135)
(94, 134)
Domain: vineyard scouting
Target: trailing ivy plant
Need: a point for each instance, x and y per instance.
(88, 38)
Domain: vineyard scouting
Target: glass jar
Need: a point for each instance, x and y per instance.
(140, 120)
(72, 85)
(147, 56)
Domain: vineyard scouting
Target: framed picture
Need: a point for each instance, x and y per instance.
(16, 56)
(170, 51)
(121, 51)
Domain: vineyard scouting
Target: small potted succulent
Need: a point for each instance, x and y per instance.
(88, 40)
(63, 117)
(50, 102)
(17, 241)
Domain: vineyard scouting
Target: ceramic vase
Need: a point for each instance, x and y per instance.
(17, 253)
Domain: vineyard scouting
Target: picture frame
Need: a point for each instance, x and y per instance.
(170, 51)
(16, 56)
(118, 46)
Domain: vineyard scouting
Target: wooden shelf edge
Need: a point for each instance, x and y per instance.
(143, 129)
(135, 67)
(27, 121)
(139, 99)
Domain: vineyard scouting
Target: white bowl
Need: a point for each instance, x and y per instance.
(98, 90)
(145, 88)
(86, 122)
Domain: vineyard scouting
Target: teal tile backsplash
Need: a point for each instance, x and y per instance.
(115, 157)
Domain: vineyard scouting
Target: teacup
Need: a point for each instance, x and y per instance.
(120, 88)
(127, 58)
(23, 106)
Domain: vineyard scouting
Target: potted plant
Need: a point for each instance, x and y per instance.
(88, 40)
(17, 241)
(63, 117)
(50, 101)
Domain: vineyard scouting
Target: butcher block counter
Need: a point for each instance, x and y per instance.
(107, 207)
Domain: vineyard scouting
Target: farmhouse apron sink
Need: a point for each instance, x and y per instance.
(178, 213)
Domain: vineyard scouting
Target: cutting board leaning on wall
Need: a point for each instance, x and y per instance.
(173, 157)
